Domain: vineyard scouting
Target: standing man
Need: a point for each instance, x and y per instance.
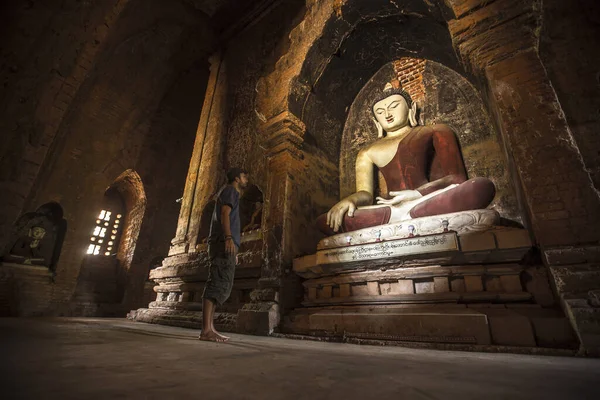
(223, 244)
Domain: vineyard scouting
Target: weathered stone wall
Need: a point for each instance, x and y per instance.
(91, 89)
(496, 43)
(136, 83)
(569, 51)
(47, 51)
(252, 55)
(511, 44)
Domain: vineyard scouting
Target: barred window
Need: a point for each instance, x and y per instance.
(104, 238)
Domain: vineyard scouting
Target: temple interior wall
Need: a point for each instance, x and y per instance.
(92, 89)
(567, 48)
(103, 88)
(263, 79)
(501, 59)
(252, 55)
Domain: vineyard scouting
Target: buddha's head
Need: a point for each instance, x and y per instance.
(37, 232)
(394, 109)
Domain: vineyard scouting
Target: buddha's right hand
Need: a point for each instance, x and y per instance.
(399, 197)
(335, 216)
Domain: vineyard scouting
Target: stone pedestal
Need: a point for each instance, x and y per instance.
(576, 272)
(180, 283)
(497, 245)
(100, 287)
(408, 324)
(444, 287)
(25, 290)
(522, 325)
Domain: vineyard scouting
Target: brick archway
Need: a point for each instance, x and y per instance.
(130, 187)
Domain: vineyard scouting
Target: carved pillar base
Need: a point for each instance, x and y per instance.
(262, 314)
(25, 290)
(577, 279)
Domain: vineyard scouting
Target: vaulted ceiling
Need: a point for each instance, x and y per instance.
(225, 13)
(210, 7)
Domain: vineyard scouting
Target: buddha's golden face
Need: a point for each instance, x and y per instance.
(392, 113)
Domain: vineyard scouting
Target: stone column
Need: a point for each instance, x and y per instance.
(196, 190)
(283, 135)
(559, 192)
(499, 41)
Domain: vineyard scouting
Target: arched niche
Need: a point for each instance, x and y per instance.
(251, 208)
(335, 81)
(338, 65)
(443, 96)
(37, 237)
(357, 40)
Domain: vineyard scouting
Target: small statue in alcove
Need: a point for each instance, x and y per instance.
(37, 237)
(29, 248)
(422, 167)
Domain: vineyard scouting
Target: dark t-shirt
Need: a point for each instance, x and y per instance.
(228, 196)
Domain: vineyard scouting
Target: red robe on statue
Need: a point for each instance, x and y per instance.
(428, 159)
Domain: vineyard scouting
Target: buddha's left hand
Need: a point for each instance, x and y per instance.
(399, 197)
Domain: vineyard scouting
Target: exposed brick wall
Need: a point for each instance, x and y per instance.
(540, 62)
(564, 207)
(410, 74)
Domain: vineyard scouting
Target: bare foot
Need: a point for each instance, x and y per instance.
(212, 336)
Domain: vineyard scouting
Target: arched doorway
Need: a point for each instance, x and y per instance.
(102, 280)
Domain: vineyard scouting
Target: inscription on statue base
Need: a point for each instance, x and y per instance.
(393, 248)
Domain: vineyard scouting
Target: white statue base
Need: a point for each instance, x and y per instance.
(390, 248)
(465, 238)
(461, 222)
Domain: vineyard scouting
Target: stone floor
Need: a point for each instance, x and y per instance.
(114, 358)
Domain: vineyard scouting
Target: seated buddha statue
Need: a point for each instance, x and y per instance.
(37, 237)
(422, 167)
(30, 249)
